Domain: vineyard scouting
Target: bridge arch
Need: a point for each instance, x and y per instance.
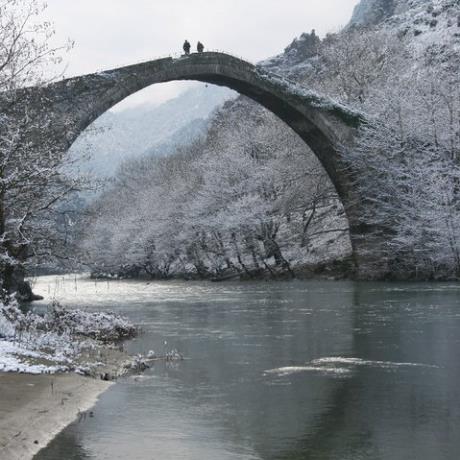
(70, 106)
(323, 124)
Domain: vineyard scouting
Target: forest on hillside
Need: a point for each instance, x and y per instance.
(246, 199)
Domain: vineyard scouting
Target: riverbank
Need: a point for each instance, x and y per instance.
(334, 269)
(35, 408)
(50, 377)
(61, 340)
(53, 368)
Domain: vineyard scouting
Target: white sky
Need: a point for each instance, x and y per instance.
(112, 33)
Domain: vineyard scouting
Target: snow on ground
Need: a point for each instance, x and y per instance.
(15, 357)
(59, 341)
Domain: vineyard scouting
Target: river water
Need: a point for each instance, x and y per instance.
(285, 370)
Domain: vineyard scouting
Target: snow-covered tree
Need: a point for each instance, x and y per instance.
(410, 155)
(249, 197)
(32, 180)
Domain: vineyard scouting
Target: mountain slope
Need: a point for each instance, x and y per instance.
(431, 27)
(118, 136)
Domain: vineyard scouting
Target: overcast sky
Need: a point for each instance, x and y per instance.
(111, 33)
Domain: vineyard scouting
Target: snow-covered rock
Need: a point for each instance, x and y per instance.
(368, 13)
(432, 26)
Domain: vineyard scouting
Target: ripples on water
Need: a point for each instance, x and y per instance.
(288, 370)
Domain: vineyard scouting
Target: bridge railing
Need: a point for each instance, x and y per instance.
(176, 55)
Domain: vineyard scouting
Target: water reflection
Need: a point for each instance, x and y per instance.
(67, 446)
(220, 403)
(411, 412)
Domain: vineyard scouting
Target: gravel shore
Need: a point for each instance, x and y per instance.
(35, 408)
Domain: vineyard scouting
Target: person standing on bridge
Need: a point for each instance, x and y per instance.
(200, 47)
(186, 47)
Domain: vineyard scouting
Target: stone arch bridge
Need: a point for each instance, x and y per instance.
(62, 110)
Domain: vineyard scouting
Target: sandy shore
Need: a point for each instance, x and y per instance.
(35, 408)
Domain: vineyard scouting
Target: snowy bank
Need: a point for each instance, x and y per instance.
(60, 341)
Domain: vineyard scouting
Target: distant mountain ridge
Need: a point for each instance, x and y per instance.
(118, 136)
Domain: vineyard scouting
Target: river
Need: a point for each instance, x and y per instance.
(285, 370)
